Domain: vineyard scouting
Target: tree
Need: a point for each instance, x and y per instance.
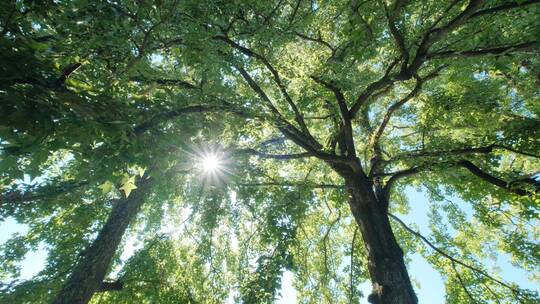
(312, 105)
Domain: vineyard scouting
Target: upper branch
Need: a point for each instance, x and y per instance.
(374, 142)
(143, 127)
(508, 186)
(436, 34)
(492, 179)
(456, 152)
(383, 82)
(504, 7)
(110, 286)
(396, 34)
(440, 153)
(500, 50)
(318, 40)
(166, 81)
(273, 156)
(277, 79)
(375, 139)
(451, 258)
(258, 90)
(293, 184)
(397, 175)
(345, 115)
(39, 192)
(290, 131)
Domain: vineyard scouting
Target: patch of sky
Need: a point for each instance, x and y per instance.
(156, 59)
(482, 75)
(33, 261)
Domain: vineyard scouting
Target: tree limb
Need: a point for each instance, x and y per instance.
(274, 156)
(304, 140)
(111, 286)
(345, 115)
(164, 81)
(446, 255)
(455, 152)
(396, 176)
(504, 7)
(34, 193)
(434, 35)
(374, 142)
(318, 40)
(463, 283)
(143, 127)
(491, 179)
(277, 79)
(492, 51)
(396, 34)
(292, 184)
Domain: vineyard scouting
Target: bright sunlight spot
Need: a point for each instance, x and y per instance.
(210, 163)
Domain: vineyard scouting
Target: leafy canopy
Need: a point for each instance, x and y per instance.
(94, 93)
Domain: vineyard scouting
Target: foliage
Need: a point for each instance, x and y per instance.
(96, 93)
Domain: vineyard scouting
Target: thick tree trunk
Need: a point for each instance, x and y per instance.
(88, 274)
(391, 283)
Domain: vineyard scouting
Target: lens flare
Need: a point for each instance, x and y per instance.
(210, 163)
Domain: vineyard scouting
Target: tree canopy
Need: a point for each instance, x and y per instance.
(236, 140)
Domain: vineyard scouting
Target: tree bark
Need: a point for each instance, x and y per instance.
(89, 272)
(389, 276)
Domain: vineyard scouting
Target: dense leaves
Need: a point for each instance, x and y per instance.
(304, 102)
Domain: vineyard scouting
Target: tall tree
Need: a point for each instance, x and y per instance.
(323, 114)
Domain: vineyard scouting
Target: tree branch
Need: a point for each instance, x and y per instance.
(345, 115)
(504, 7)
(325, 239)
(67, 72)
(274, 156)
(111, 286)
(396, 176)
(493, 51)
(370, 89)
(143, 127)
(277, 79)
(318, 40)
(293, 184)
(492, 179)
(463, 283)
(34, 193)
(446, 255)
(374, 142)
(434, 35)
(163, 81)
(304, 140)
(396, 34)
(468, 150)
(454, 152)
(351, 274)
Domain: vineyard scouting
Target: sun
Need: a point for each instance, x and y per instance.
(210, 163)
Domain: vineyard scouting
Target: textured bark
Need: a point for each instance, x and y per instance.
(88, 274)
(111, 286)
(389, 276)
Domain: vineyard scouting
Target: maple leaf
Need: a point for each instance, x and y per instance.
(106, 187)
(128, 186)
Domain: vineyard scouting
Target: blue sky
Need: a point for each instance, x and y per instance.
(431, 289)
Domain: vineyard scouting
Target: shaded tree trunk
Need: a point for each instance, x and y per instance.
(89, 272)
(388, 273)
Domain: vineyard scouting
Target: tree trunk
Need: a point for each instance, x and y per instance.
(391, 283)
(89, 272)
